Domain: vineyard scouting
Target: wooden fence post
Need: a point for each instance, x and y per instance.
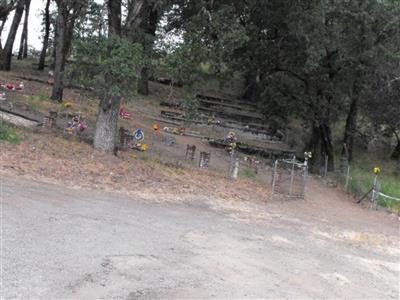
(374, 191)
(326, 166)
(274, 176)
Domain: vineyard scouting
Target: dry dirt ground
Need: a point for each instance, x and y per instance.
(73, 243)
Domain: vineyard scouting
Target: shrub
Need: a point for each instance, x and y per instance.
(8, 134)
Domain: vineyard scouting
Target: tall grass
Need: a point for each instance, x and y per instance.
(391, 187)
(362, 179)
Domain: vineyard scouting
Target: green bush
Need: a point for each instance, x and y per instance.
(8, 134)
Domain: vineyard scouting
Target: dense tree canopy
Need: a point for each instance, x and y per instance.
(312, 60)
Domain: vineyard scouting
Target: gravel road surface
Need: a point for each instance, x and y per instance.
(63, 243)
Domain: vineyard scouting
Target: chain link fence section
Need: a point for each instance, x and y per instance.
(289, 178)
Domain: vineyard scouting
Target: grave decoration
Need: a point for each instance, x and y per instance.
(132, 140)
(175, 130)
(231, 141)
(213, 121)
(12, 86)
(140, 147)
(124, 114)
(139, 134)
(156, 127)
(253, 162)
(76, 125)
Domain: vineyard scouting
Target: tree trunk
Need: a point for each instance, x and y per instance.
(5, 8)
(8, 47)
(328, 146)
(106, 133)
(321, 142)
(42, 59)
(396, 151)
(114, 17)
(23, 46)
(27, 9)
(150, 27)
(143, 82)
(65, 27)
(141, 25)
(251, 86)
(59, 62)
(351, 123)
(53, 54)
(321, 147)
(3, 22)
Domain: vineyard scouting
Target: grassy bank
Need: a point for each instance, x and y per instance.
(362, 178)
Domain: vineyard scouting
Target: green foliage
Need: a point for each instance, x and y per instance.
(249, 173)
(361, 181)
(209, 41)
(32, 52)
(306, 60)
(391, 187)
(8, 134)
(36, 100)
(191, 107)
(144, 156)
(184, 64)
(92, 20)
(109, 65)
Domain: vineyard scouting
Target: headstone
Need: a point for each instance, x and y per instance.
(125, 138)
(204, 160)
(49, 122)
(53, 114)
(50, 77)
(190, 152)
(169, 140)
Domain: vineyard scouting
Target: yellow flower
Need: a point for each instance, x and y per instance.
(377, 170)
(156, 127)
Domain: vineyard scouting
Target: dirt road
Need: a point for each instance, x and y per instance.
(67, 243)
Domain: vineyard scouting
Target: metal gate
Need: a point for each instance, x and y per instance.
(289, 178)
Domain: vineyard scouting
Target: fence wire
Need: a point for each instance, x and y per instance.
(289, 178)
(361, 186)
